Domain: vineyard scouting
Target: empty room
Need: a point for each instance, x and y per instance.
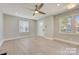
(39, 28)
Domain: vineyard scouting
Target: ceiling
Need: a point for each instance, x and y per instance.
(24, 9)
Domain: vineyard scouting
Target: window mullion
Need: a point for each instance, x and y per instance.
(73, 25)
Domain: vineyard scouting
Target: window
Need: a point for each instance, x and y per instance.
(23, 26)
(66, 24)
(77, 23)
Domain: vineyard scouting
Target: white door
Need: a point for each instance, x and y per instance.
(41, 28)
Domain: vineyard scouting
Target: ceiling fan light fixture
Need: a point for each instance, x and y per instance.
(36, 12)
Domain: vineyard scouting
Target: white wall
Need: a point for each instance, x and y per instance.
(1, 28)
(11, 27)
(47, 28)
(1, 25)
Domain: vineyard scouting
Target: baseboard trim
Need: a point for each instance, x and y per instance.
(1, 42)
(46, 37)
(13, 38)
(62, 40)
(19, 37)
(58, 39)
(67, 41)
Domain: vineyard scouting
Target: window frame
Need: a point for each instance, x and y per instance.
(75, 26)
(60, 23)
(28, 27)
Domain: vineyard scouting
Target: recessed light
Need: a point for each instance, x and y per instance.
(70, 6)
(58, 4)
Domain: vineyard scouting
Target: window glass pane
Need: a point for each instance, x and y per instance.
(66, 24)
(77, 23)
(23, 26)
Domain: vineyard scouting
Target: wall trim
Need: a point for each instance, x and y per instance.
(67, 41)
(1, 42)
(14, 38)
(58, 39)
(62, 40)
(19, 37)
(49, 38)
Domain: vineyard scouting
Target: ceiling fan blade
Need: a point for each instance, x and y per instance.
(36, 7)
(40, 6)
(33, 14)
(41, 12)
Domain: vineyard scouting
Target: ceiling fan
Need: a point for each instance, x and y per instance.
(37, 9)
